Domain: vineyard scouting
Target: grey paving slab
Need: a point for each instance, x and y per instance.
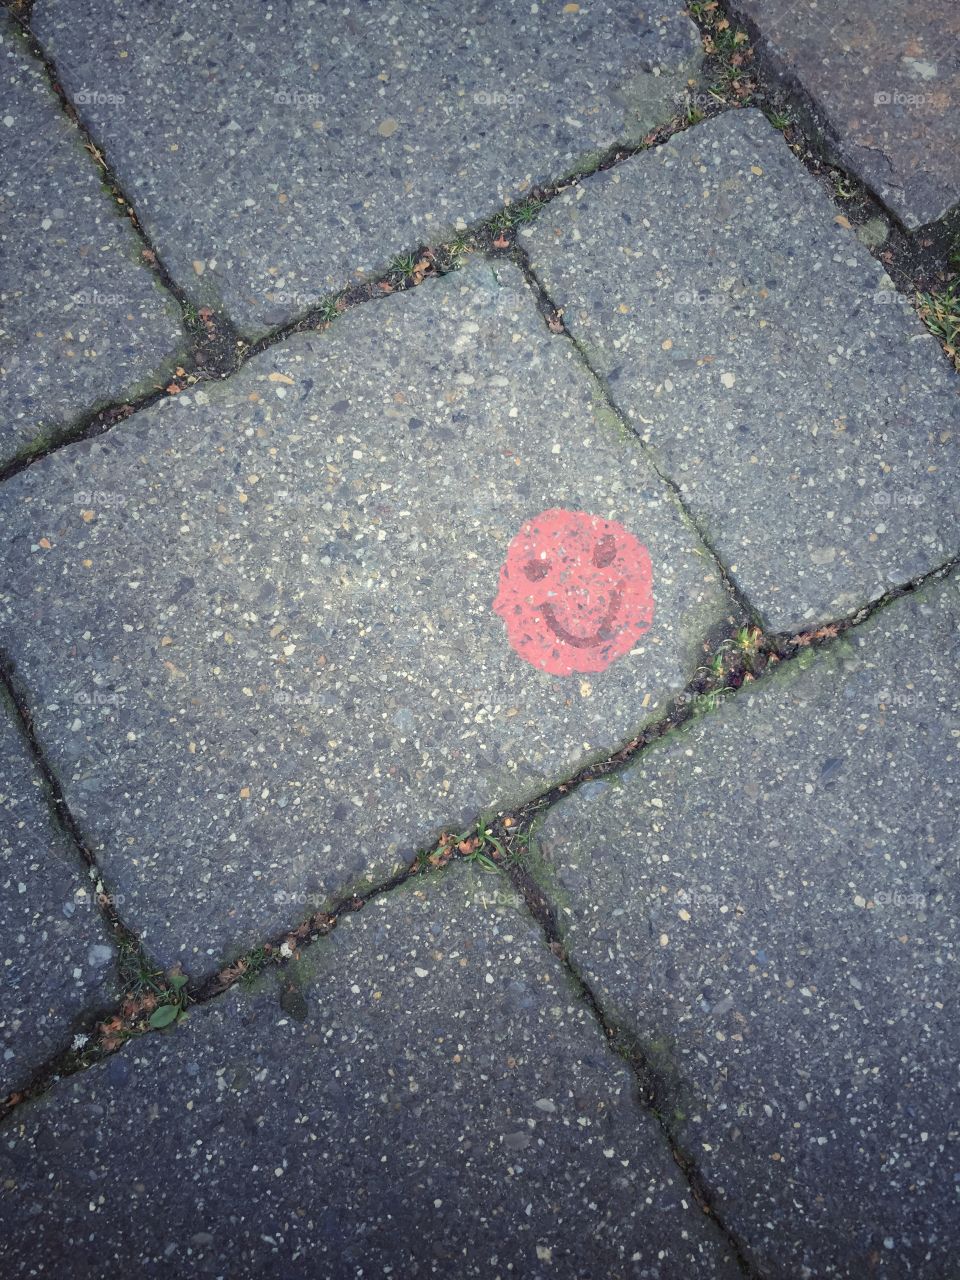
(84, 321)
(771, 899)
(885, 80)
(795, 398)
(445, 1106)
(281, 588)
(56, 959)
(274, 158)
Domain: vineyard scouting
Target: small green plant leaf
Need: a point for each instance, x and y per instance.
(178, 980)
(163, 1015)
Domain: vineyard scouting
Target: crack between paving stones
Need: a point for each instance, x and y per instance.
(553, 317)
(776, 80)
(130, 957)
(210, 338)
(429, 263)
(501, 841)
(216, 336)
(654, 1090)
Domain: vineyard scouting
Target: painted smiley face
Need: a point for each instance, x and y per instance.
(575, 592)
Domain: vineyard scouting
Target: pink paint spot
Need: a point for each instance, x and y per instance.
(576, 592)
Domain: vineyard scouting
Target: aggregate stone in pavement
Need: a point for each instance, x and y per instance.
(84, 320)
(56, 958)
(885, 80)
(809, 419)
(770, 898)
(273, 156)
(444, 1105)
(276, 595)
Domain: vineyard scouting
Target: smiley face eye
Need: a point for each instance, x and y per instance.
(536, 569)
(605, 551)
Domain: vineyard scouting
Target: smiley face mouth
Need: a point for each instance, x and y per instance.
(605, 631)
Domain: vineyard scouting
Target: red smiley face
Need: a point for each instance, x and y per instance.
(575, 592)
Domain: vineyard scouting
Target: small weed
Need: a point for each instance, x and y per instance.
(940, 312)
(525, 212)
(403, 265)
(514, 215)
(746, 642)
(780, 119)
(329, 309)
(457, 250)
(845, 188)
(174, 1005)
(255, 963)
(728, 47)
(709, 702)
(714, 667)
(136, 973)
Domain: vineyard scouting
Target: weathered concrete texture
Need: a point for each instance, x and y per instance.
(84, 321)
(274, 156)
(808, 418)
(445, 1106)
(281, 587)
(770, 898)
(884, 75)
(55, 956)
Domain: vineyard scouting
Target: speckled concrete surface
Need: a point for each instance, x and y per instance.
(55, 957)
(770, 899)
(84, 321)
(285, 582)
(809, 419)
(273, 154)
(279, 630)
(884, 76)
(445, 1106)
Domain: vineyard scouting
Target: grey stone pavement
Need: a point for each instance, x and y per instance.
(479, 783)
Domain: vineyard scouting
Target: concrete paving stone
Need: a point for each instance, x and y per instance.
(445, 1105)
(84, 320)
(770, 898)
(809, 419)
(884, 76)
(275, 156)
(279, 592)
(55, 955)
